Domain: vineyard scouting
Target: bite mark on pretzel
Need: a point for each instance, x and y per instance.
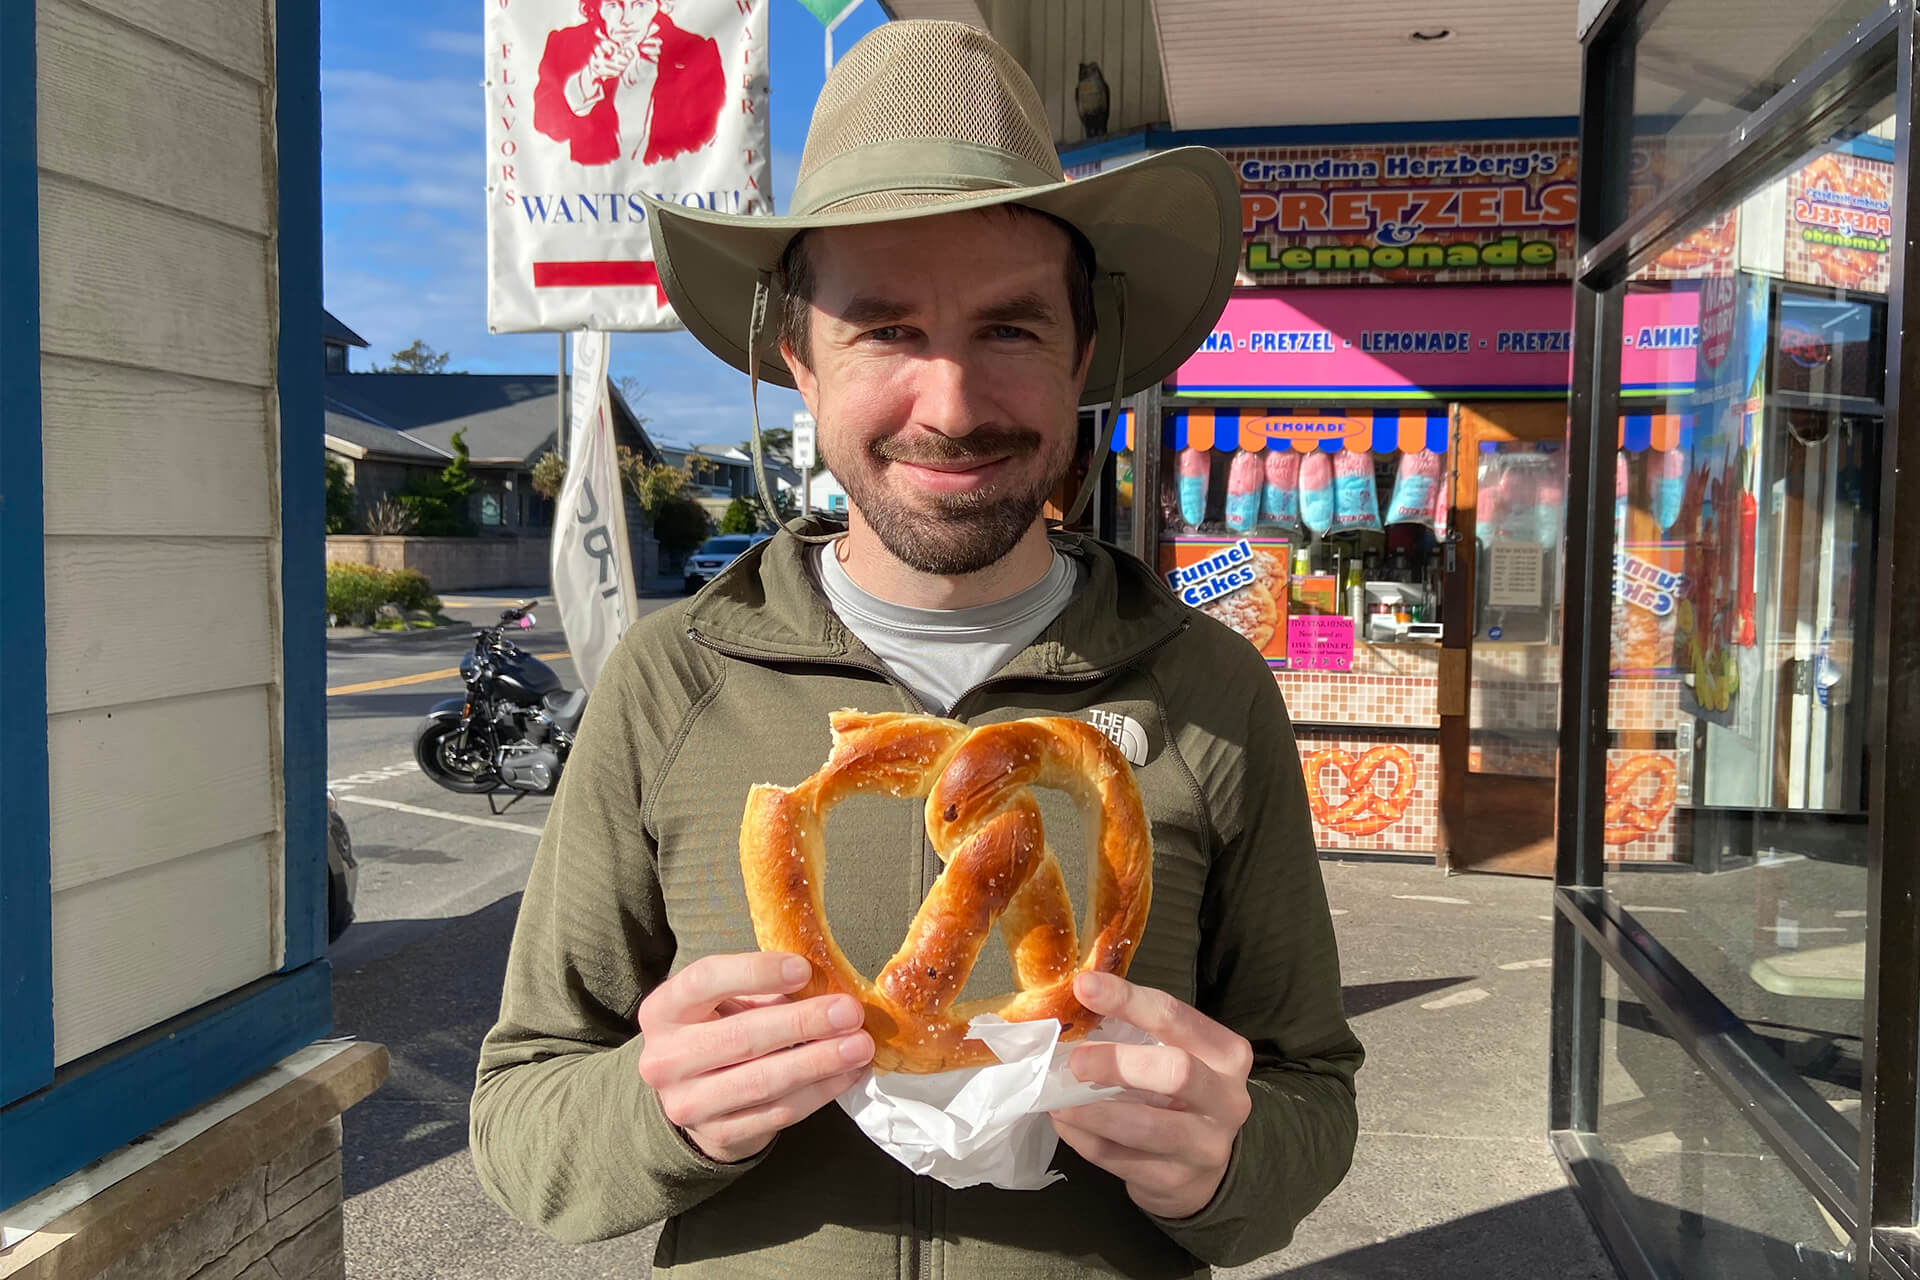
(982, 820)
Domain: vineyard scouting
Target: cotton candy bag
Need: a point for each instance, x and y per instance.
(1413, 488)
(1244, 479)
(1356, 501)
(1280, 498)
(1316, 492)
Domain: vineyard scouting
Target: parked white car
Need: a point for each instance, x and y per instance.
(715, 554)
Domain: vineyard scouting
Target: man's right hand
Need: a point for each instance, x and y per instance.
(735, 1060)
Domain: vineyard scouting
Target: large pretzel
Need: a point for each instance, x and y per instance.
(984, 823)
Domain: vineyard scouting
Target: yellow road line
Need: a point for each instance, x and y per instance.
(419, 678)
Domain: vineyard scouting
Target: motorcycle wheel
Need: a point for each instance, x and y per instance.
(439, 756)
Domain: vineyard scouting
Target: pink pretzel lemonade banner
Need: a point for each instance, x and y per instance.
(1435, 342)
(590, 104)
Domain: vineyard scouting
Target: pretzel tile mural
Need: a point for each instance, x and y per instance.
(1372, 792)
(1640, 794)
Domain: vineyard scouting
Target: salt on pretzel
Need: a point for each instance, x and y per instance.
(982, 820)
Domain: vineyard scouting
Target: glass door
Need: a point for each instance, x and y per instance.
(1499, 749)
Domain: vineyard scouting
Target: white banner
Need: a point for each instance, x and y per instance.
(593, 583)
(590, 103)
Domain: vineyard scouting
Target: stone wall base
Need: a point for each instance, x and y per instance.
(255, 1197)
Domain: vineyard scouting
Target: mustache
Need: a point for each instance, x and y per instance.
(987, 442)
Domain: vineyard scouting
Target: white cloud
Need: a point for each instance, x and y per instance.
(374, 104)
(462, 43)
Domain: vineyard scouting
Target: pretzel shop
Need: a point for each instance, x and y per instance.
(1361, 471)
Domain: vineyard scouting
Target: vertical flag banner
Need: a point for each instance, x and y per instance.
(593, 583)
(591, 103)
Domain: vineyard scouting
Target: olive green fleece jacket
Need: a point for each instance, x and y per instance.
(638, 875)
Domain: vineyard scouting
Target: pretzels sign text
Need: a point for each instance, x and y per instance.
(984, 823)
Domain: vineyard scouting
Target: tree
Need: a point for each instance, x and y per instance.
(680, 526)
(633, 391)
(456, 476)
(549, 476)
(417, 357)
(438, 503)
(741, 517)
(340, 505)
(778, 441)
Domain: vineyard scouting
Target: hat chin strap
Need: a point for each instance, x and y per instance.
(1104, 439)
(757, 323)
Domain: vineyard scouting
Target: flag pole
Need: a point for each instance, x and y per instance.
(560, 399)
(838, 18)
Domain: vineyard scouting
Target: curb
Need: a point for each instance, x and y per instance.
(369, 633)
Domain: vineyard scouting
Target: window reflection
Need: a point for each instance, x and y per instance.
(1700, 66)
(1744, 534)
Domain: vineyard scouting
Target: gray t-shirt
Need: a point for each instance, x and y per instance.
(942, 653)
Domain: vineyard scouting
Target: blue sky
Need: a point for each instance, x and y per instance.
(403, 180)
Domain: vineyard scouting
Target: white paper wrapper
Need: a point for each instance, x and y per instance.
(985, 1124)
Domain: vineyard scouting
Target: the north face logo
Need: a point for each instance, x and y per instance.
(1124, 731)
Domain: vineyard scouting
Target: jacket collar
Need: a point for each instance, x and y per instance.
(767, 605)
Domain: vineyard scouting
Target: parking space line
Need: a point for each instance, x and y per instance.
(368, 777)
(420, 677)
(1472, 995)
(423, 812)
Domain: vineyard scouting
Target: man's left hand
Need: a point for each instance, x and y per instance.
(1173, 1154)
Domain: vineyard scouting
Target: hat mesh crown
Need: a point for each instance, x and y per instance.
(933, 80)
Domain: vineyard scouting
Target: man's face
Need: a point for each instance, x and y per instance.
(625, 19)
(944, 379)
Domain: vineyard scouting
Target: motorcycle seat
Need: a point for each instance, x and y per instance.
(567, 708)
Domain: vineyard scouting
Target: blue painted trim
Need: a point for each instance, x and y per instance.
(110, 1098)
(26, 877)
(302, 479)
(1156, 138)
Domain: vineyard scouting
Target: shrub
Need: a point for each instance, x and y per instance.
(355, 592)
(389, 518)
(740, 517)
(410, 590)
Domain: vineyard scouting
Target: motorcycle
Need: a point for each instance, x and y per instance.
(513, 729)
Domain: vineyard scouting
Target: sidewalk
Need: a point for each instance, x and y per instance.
(1452, 1178)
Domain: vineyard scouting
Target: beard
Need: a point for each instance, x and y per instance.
(951, 535)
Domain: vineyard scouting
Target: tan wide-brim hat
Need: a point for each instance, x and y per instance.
(923, 118)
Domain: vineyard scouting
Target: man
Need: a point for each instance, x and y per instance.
(676, 83)
(942, 299)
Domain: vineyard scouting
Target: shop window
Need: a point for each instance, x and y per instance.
(1699, 66)
(1746, 532)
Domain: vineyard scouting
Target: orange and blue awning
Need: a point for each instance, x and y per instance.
(1640, 432)
(1375, 431)
(1329, 430)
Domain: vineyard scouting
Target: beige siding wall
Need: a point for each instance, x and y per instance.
(1051, 38)
(162, 465)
